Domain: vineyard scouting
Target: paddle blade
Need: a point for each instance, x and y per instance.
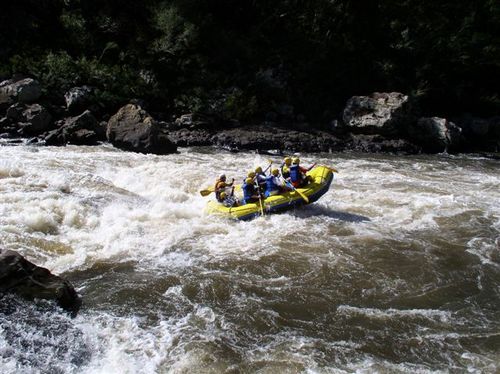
(206, 192)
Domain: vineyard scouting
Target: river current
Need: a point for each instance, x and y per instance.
(395, 269)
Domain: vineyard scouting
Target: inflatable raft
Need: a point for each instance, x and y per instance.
(322, 177)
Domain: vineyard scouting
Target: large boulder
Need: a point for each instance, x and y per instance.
(81, 130)
(435, 134)
(133, 129)
(30, 119)
(18, 275)
(379, 113)
(78, 98)
(23, 90)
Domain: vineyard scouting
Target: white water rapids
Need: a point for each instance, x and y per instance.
(395, 269)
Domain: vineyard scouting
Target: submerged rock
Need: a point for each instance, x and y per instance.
(133, 129)
(18, 275)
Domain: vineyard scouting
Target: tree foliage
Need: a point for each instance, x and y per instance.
(244, 58)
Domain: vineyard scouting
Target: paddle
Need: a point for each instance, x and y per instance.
(270, 163)
(209, 190)
(261, 206)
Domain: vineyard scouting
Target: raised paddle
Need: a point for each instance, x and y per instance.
(270, 163)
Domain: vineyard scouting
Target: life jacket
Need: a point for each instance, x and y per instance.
(220, 186)
(270, 186)
(261, 179)
(229, 202)
(285, 171)
(248, 191)
(295, 173)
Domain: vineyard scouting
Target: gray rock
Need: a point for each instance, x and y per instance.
(15, 112)
(37, 119)
(78, 98)
(31, 119)
(24, 91)
(380, 144)
(265, 138)
(133, 129)
(54, 137)
(19, 276)
(189, 138)
(81, 130)
(435, 134)
(194, 121)
(379, 113)
(4, 123)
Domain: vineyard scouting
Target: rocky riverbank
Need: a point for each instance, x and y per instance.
(380, 122)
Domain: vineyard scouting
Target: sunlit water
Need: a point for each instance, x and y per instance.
(395, 269)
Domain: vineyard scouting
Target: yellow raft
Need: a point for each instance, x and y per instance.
(322, 177)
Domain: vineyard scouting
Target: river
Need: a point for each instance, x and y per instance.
(395, 269)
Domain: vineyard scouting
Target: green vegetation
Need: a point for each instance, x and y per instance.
(242, 59)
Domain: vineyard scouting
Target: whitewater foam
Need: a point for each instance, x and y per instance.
(281, 292)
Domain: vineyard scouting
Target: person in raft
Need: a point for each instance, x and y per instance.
(250, 193)
(221, 186)
(298, 176)
(251, 174)
(228, 200)
(260, 176)
(285, 167)
(273, 184)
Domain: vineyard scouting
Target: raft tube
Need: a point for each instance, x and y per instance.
(322, 177)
